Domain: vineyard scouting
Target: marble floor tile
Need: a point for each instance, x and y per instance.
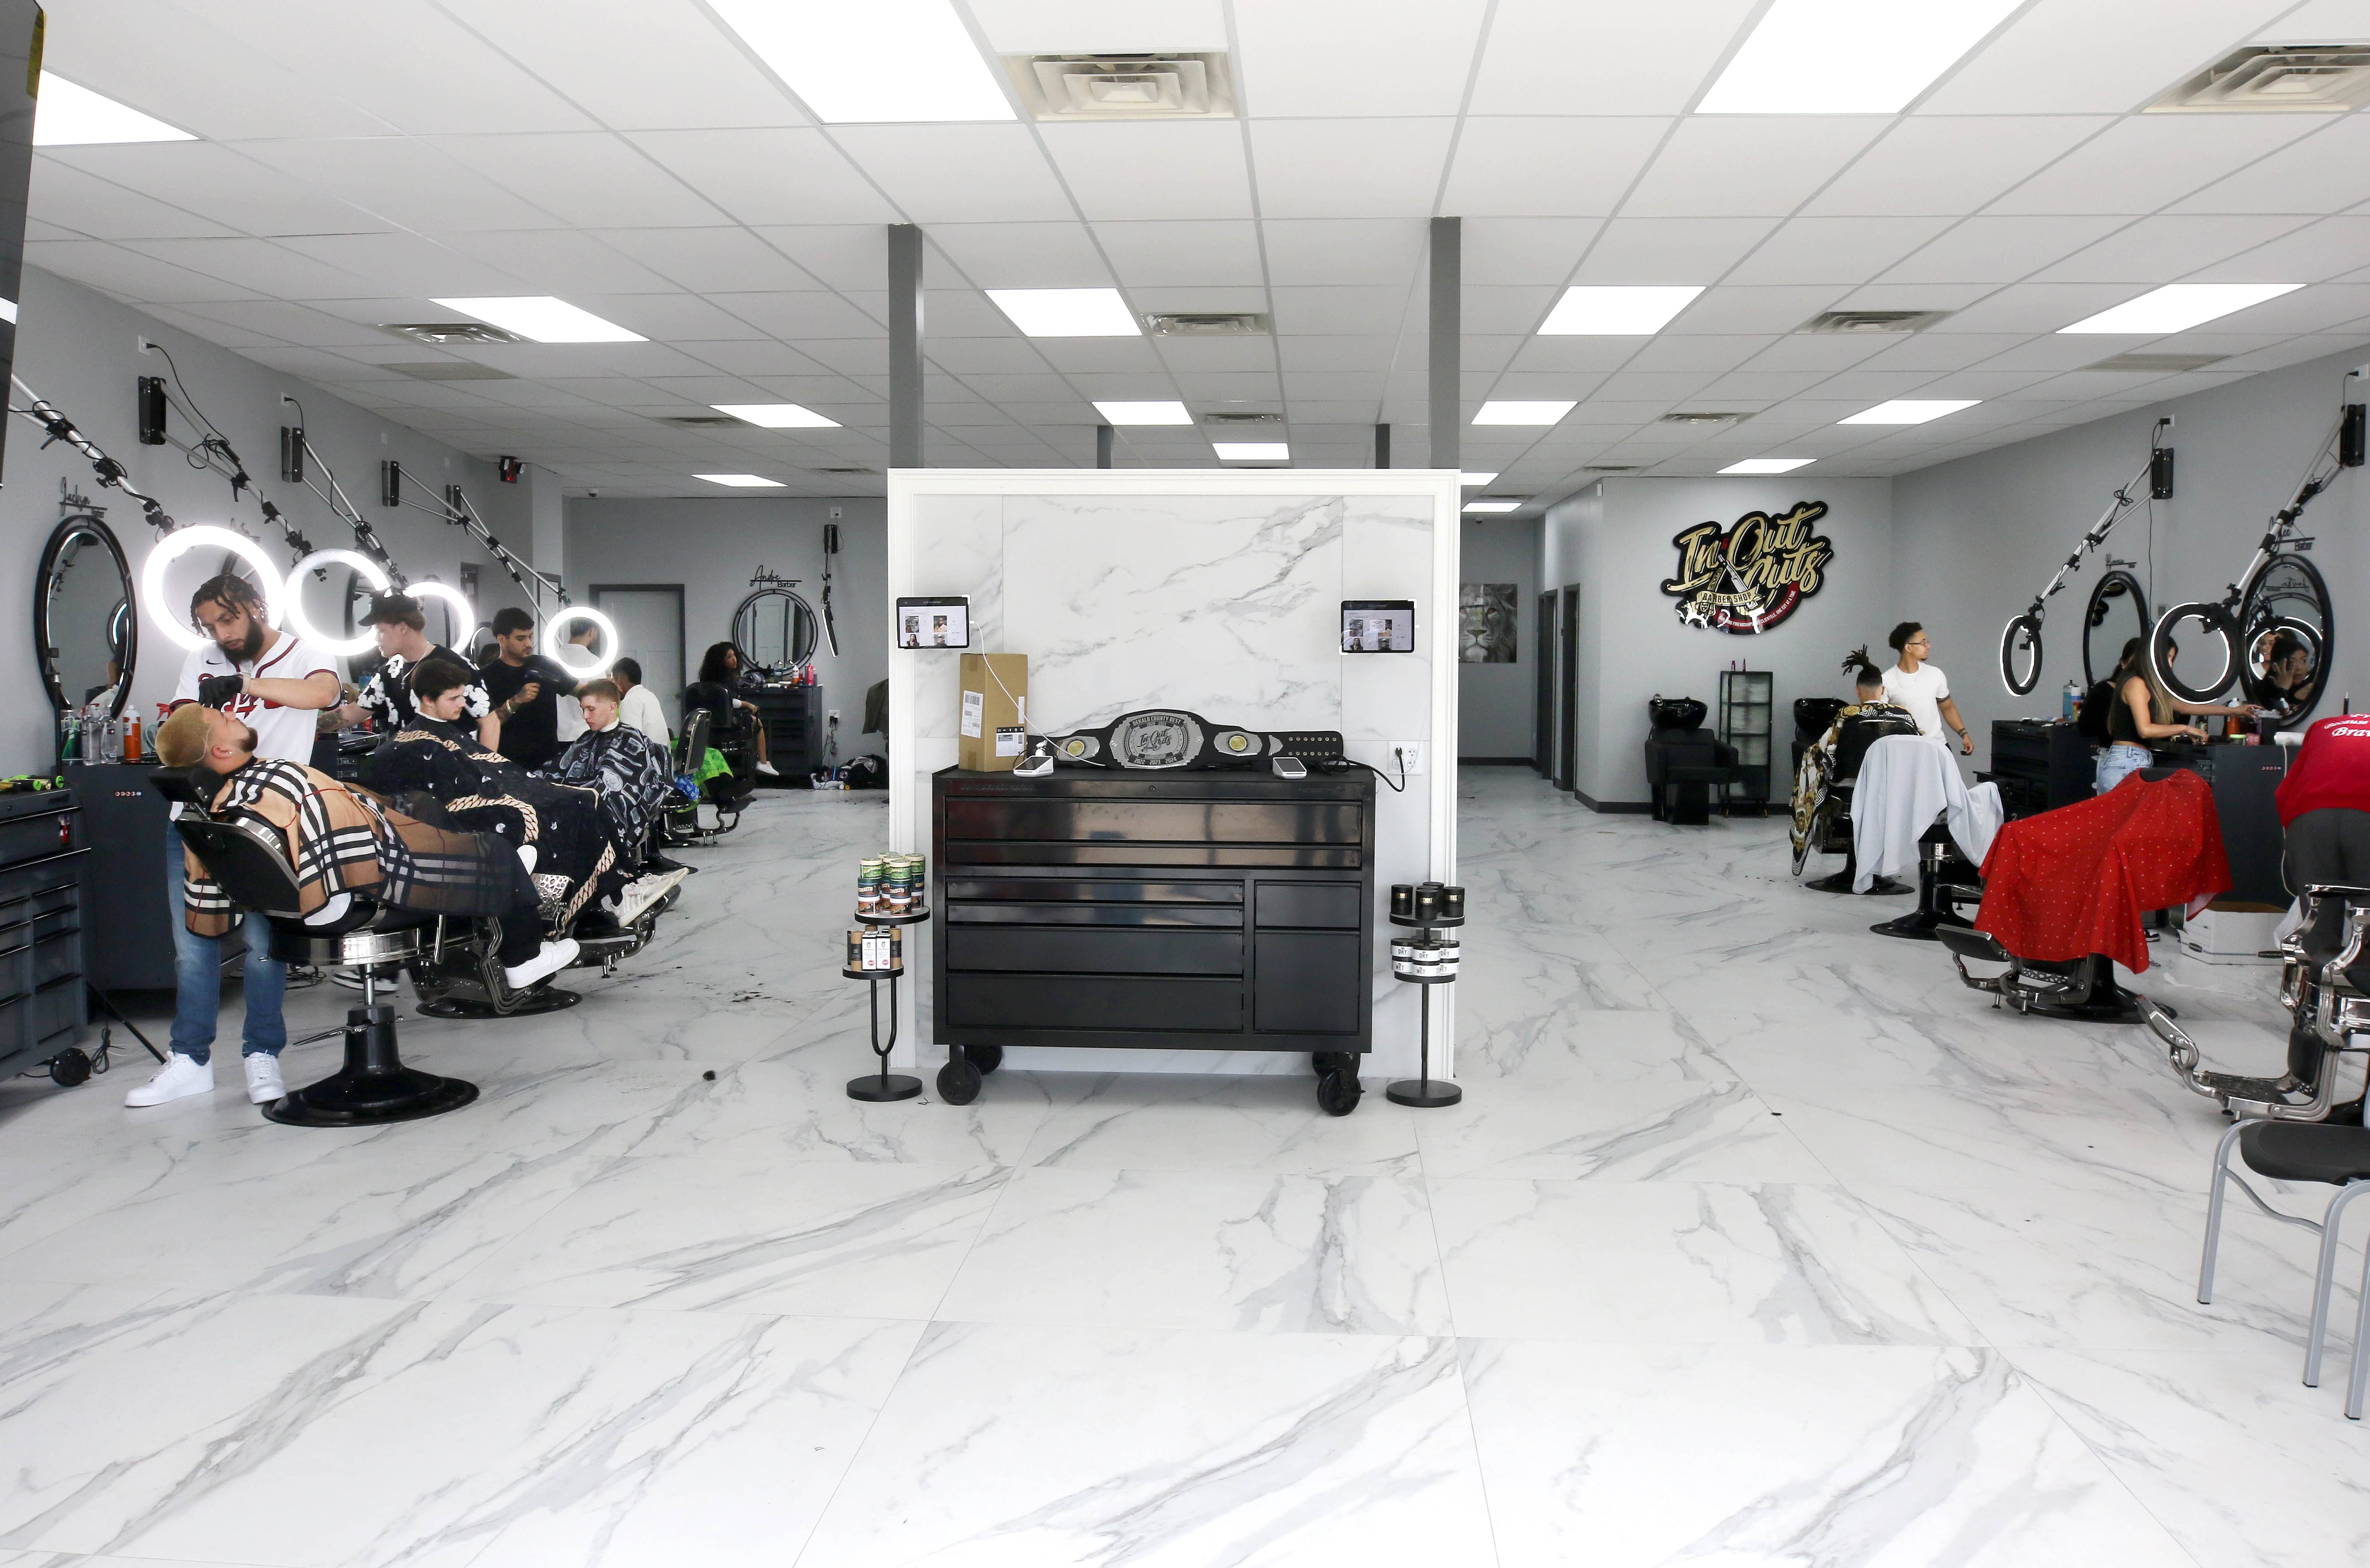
(1157, 1122)
(1711, 1130)
(1348, 1253)
(1163, 1449)
(1680, 1262)
(1874, 1456)
(797, 1110)
(751, 1235)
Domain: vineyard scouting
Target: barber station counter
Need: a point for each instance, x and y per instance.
(1221, 910)
(2246, 781)
(44, 842)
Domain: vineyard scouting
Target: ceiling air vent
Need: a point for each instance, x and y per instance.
(1704, 416)
(1241, 417)
(2159, 365)
(448, 370)
(1857, 321)
(1208, 324)
(2325, 78)
(846, 471)
(442, 332)
(699, 421)
(1613, 467)
(1123, 86)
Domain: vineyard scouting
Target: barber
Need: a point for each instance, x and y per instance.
(640, 706)
(526, 689)
(274, 685)
(400, 626)
(1919, 685)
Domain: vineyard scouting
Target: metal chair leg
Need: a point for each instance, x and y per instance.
(2359, 1382)
(2323, 1280)
(2213, 1212)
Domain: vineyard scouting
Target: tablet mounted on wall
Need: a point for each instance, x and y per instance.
(933, 623)
(1378, 625)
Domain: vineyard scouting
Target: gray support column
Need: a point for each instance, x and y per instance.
(1104, 438)
(1447, 337)
(904, 346)
(1382, 446)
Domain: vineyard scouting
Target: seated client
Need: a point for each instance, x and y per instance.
(1836, 758)
(630, 772)
(343, 842)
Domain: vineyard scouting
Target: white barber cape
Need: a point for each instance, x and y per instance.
(1905, 782)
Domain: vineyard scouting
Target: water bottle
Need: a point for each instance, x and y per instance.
(2073, 696)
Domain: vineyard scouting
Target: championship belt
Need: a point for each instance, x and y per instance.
(1169, 737)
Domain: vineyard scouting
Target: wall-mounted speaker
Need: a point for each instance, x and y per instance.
(390, 482)
(152, 410)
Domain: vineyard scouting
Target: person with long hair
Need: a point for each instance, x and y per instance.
(2145, 711)
(718, 689)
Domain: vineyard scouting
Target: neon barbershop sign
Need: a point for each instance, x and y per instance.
(1750, 576)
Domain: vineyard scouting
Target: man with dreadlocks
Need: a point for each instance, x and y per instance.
(1836, 756)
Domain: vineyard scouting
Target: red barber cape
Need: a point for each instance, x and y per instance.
(2331, 768)
(2076, 881)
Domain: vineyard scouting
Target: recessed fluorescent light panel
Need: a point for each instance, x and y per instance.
(1252, 451)
(1910, 410)
(1518, 412)
(1143, 413)
(1590, 310)
(743, 481)
(1470, 479)
(1848, 56)
(1769, 465)
(539, 318)
(2177, 307)
(1493, 505)
(1067, 313)
(70, 116)
(777, 415)
(878, 62)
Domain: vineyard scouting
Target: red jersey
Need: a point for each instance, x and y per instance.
(2331, 768)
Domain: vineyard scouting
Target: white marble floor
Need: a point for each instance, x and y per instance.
(1758, 1240)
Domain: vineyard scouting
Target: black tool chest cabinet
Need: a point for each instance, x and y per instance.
(1221, 910)
(42, 846)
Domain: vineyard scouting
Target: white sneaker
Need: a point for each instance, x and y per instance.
(643, 891)
(770, 771)
(263, 1081)
(178, 1080)
(555, 956)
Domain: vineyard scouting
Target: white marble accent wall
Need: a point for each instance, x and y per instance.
(1219, 593)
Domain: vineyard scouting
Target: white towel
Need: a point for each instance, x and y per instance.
(1905, 782)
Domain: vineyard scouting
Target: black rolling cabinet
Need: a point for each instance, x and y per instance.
(794, 720)
(2040, 766)
(2245, 784)
(43, 844)
(1217, 910)
(125, 885)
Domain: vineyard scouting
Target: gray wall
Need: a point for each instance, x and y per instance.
(79, 350)
(1977, 538)
(1615, 541)
(713, 545)
(1493, 701)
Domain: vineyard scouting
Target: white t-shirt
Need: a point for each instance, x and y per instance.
(284, 733)
(1922, 694)
(640, 708)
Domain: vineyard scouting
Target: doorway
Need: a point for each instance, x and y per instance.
(649, 632)
(1568, 694)
(1543, 691)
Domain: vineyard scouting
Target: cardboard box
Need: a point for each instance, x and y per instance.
(994, 721)
(2230, 931)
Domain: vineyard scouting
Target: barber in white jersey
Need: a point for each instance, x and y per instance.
(276, 684)
(1923, 689)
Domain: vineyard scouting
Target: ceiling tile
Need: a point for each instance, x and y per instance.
(1524, 250)
(2159, 251)
(1835, 250)
(1548, 166)
(2097, 56)
(1732, 166)
(592, 178)
(801, 315)
(260, 265)
(1575, 354)
(1671, 353)
(1194, 356)
(1671, 250)
(1370, 309)
(1349, 169)
(407, 264)
(959, 174)
(1293, 61)
(1948, 167)
(2000, 249)
(405, 181)
(218, 182)
(173, 62)
(1024, 256)
(634, 64)
(1095, 27)
(973, 356)
(561, 262)
(2039, 308)
(2319, 172)
(768, 176)
(2147, 161)
(709, 260)
(1147, 254)
(1370, 250)
(1758, 308)
(1486, 309)
(1540, 54)
(840, 256)
(1137, 170)
(100, 209)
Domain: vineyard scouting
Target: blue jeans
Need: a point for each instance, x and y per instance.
(196, 977)
(2116, 763)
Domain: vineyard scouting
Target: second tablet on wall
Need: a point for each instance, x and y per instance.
(933, 623)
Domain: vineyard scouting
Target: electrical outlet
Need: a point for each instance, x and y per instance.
(1408, 755)
(834, 716)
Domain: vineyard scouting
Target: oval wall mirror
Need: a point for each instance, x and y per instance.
(2117, 611)
(85, 631)
(775, 629)
(2286, 629)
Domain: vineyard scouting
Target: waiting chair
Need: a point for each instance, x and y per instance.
(2287, 1152)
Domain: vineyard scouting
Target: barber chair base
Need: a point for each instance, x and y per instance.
(1841, 882)
(1919, 925)
(545, 999)
(2108, 1003)
(374, 1086)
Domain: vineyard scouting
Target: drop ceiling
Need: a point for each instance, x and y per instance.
(354, 162)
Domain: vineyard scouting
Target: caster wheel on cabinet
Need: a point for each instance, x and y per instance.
(1323, 1062)
(1337, 1092)
(987, 1059)
(69, 1067)
(958, 1083)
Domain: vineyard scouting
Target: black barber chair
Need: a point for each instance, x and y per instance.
(1945, 880)
(723, 798)
(2079, 990)
(1831, 829)
(245, 858)
(1813, 716)
(1684, 760)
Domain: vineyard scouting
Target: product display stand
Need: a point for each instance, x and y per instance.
(1423, 1090)
(884, 1084)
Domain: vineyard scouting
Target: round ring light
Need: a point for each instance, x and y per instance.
(553, 642)
(197, 536)
(370, 569)
(464, 614)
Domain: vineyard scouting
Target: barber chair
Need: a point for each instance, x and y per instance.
(2322, 987)
(247, 861)
(1684, 760)
(2079, 990)
(1831, 829)
(1946, 878)
(722, 800)
(1812, 717)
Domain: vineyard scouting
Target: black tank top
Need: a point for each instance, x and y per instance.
(2122, 730)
